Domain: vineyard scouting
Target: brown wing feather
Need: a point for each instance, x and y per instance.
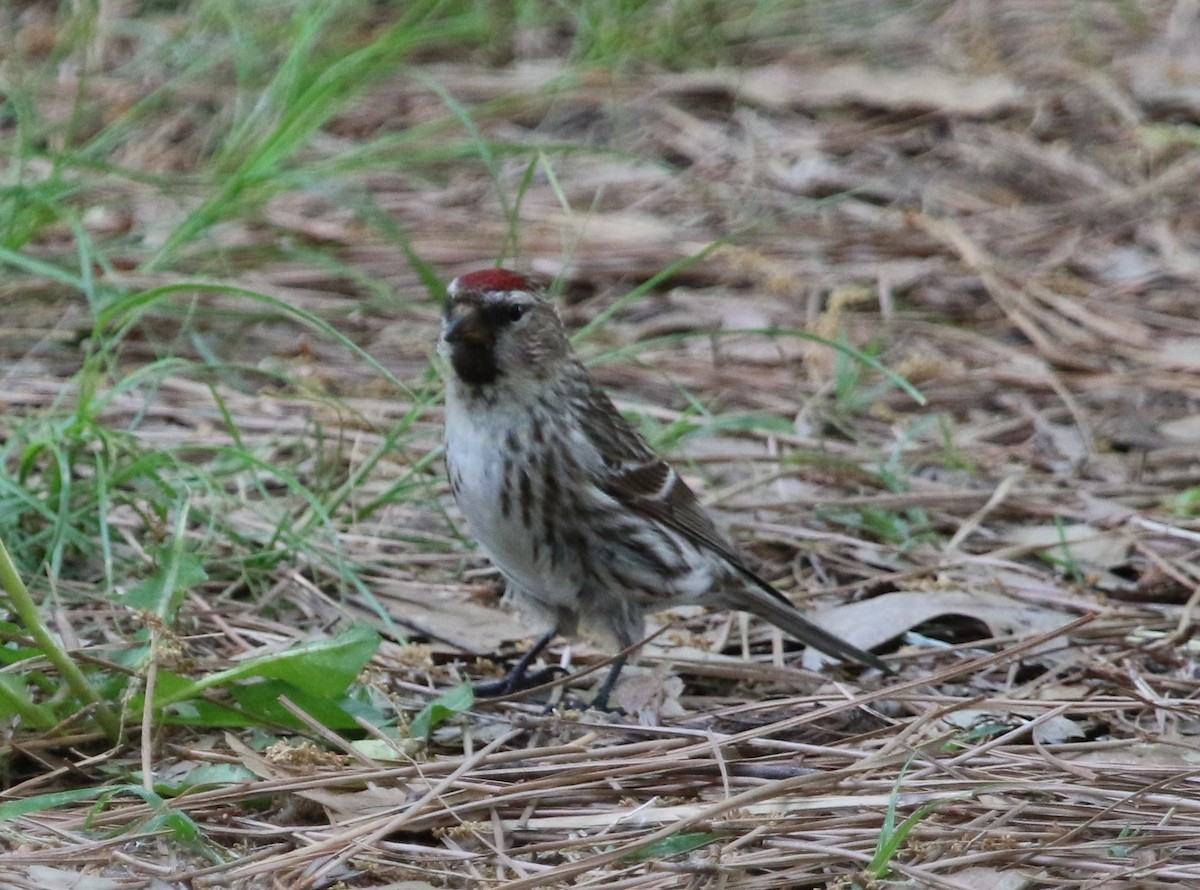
(645, 484)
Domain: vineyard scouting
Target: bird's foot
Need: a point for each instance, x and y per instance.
(519, 677)
(600, 701)
(517, 680)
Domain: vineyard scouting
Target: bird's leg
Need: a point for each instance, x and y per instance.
(515, 680)
(600, 702)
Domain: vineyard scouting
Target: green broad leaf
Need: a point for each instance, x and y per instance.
(454, 702)
(177, 572)
(167, 684)
(11, 655)
(209, 775)
(135, 658)
(207, 714)
(674, 845)
(323, 668)
(262, 701)
(391, 751)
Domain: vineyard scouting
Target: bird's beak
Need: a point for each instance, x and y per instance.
(468, 330)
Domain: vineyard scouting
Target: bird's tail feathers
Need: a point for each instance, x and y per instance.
(766, 602)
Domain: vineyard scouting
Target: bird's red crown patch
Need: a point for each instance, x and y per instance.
(487, 280)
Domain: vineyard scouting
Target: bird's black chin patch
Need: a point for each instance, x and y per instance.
(474, 363)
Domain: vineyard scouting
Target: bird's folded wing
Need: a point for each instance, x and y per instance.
(635, 477)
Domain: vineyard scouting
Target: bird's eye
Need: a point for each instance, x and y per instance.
(514, 312)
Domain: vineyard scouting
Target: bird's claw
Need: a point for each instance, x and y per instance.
(517, 681)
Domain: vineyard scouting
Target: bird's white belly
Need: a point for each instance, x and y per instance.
(477, 460)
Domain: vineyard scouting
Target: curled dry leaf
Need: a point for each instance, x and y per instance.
(875, 621)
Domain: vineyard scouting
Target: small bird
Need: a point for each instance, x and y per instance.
(589, 527)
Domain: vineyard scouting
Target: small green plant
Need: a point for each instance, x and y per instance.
(1061, 556)
(1121, 850)
(953, 457)
(176, 824)
(74, 471)
(457, 701)
(19, 693)
(892, 836)
(852, 392)
(315, 677)
(675, 845)
(638, 33)
(1184, 504)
